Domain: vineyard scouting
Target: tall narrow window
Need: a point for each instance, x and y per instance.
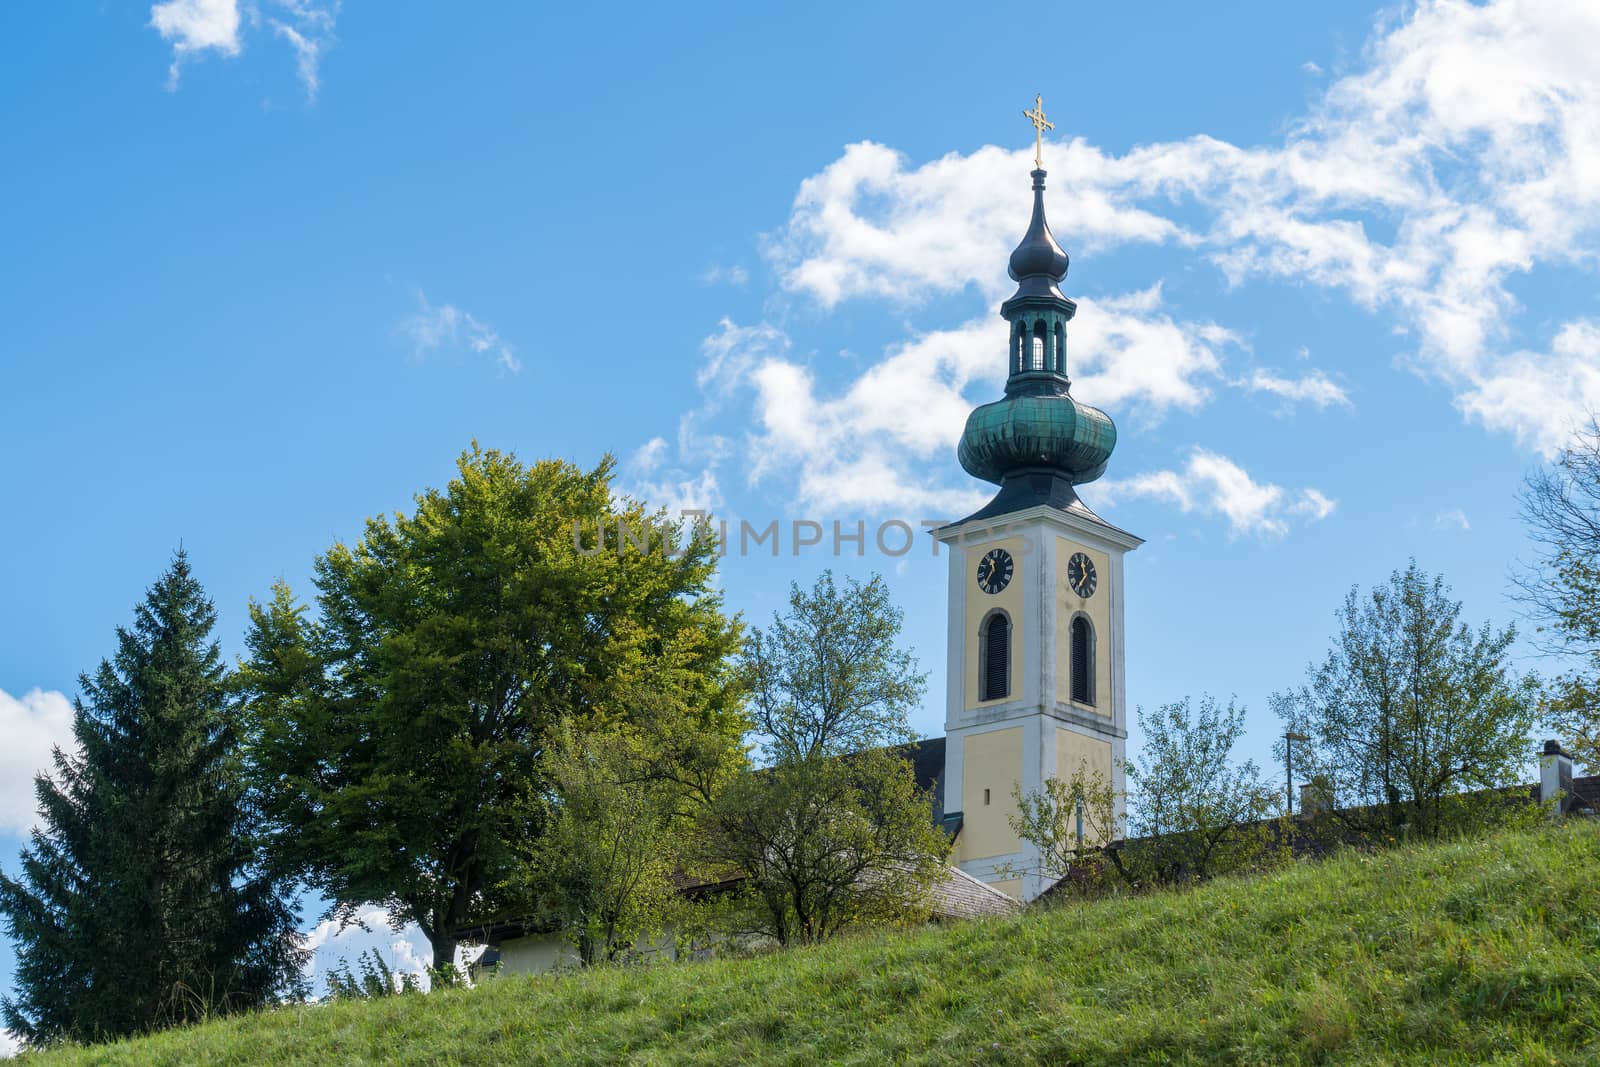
(1082, 661)
(1038, 345)
(994, 645)
(1061, 349)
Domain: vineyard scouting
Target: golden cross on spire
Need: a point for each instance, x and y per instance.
(1040, 124)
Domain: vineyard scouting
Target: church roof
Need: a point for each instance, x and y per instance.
(1584, 798)
(927, 761)
(958, 895)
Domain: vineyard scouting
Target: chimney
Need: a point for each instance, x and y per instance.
(1555, 775)
(1316, 796)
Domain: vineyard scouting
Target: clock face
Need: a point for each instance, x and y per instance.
(1080, 575)
(994, 570)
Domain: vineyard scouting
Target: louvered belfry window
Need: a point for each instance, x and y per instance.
(996, 646)
(1082, 661)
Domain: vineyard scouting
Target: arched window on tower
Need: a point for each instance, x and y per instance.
(1082, 661)
(994, 650)
(1061, 349)
(1019, 344)
(1038, 345)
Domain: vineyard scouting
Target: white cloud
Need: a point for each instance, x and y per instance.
(447, 326)
(1462, 155)
(197, 26)
(1212, 484)
(734, 275)
(1313, 388)
(864, 443)
(401, 946)
(648, 476)
(862, 448)
(32, 725)
(308, 28)
(647, 459)
(1312, 68)
(1126, 354)
(1542, 397)
(9, 1044)
(1313, 504)
(868, 225)
(1455, 519)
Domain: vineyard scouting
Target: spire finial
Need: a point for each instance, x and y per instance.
(1040, 124)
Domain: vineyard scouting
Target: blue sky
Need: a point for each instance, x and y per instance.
(272, 264)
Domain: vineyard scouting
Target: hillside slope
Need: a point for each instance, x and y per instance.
(1479, 952)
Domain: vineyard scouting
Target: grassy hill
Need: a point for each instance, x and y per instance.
(1480, 952)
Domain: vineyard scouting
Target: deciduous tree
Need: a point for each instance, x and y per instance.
(1068, 821)
(400, 734)
(828, 677)
(835, 831)
(827, 842)
(1194, 810)
(602, 872)
(1414, 717)
(1561, 505)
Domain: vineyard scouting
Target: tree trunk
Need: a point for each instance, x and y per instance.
(444, 949)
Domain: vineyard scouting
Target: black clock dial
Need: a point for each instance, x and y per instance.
(1080, 575)
(994, 570)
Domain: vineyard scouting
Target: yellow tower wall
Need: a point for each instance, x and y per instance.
(991, 760)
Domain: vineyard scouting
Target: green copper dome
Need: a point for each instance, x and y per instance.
(1038, 442)
(1032, 433)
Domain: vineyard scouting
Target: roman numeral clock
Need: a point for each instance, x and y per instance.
(1035, 684)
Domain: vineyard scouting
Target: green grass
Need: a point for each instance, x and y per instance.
(1485, 951)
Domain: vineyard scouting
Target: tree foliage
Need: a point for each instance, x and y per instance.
(1196, 813)
(1561, 505)
(142, 901)
(829, 677)
(1192, 812)
(827, 842)
(371, 978)
(1068, 821)
(400, 735)
(602, 872)
(835, 832)
(1414, 717)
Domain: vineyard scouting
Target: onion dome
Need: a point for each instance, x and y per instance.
(1037, 433)
(1038, 263)
(1038, 442)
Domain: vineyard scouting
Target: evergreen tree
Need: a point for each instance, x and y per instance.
(141, 903)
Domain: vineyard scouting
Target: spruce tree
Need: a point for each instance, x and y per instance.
(142, 902)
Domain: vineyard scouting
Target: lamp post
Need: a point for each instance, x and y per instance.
(1289, 738)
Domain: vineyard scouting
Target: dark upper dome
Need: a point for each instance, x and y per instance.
(1038, 262)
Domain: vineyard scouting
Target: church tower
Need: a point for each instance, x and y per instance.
(1035, 683)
